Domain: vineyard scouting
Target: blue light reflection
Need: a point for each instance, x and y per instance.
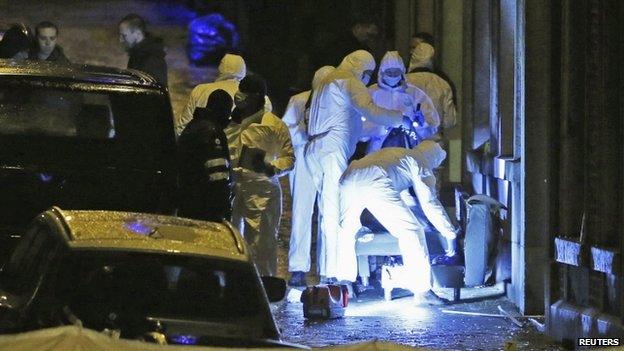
(139, 227)
(184, 339)
(210, 37)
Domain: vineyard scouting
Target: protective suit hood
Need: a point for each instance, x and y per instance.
(320, 75)
(357, 62)
(422, 56)
(232, 67)
(430, 153)
(391, 59)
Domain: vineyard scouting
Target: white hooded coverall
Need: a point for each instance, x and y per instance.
(334, 129)
(404, 97)
(231, 71)
(257, 204)
(374, 182)
(301, 188)
(433, 85)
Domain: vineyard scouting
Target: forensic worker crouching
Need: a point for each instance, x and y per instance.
(374, 183)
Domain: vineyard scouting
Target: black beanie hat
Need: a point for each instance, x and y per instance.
(220, 100)
(220, 107)
(253, 83)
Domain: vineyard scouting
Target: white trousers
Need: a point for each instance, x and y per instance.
(256, 214)
(303, 198)
(372, 189)
(326, 168)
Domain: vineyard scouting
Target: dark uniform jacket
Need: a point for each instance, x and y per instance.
(57, 55)
(149, 56)
(205, 171)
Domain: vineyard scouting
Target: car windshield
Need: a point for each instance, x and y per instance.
(76, 125)
(106, 289)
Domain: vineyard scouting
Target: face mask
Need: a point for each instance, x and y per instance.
(392, 81)
(241, 100)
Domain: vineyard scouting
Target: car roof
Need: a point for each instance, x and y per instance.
(77, 73)
(129, 231)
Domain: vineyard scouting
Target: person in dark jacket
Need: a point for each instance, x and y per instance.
(46, 47)
(204, 162)
(16, 42)
(359, 36)
(146, 52)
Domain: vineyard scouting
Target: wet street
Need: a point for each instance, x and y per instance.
(401, 321)
(90, 36)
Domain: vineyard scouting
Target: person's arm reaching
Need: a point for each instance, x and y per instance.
(428, 109)
(362, 102)
(424, 187)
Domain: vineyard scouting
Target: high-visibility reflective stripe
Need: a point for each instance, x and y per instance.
(219, 176)
(215, 162)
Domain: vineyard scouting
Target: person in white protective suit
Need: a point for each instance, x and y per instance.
(374, 182)
(301, 188)
(257, 206)
(393, 92)
(334, 128)
(439, 90)
(231, 71)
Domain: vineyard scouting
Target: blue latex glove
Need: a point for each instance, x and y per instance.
(419, 118)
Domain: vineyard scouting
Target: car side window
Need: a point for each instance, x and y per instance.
(55, 113)
(26, 264)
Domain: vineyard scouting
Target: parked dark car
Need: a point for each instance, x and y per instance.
(82, 137)
(188, 281)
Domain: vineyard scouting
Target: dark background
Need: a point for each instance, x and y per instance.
(280, 38)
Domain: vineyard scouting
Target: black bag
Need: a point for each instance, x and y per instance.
(396, 138)
(401, 137)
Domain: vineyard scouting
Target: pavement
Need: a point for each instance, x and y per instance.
(88, 34)
(404, 322)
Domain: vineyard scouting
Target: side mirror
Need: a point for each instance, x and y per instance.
(275, 288)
